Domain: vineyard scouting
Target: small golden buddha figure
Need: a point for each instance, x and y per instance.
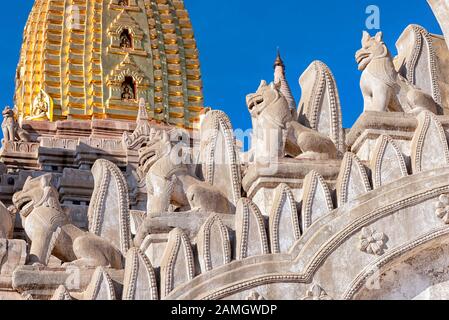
(40, 107)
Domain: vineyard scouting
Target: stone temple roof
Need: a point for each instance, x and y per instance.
(82, 56)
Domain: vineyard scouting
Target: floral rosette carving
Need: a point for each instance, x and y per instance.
(372, 242)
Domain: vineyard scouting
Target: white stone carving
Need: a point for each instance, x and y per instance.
(429, 145)
(284, 222)
(251, 234)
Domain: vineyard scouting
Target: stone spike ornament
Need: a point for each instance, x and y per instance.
(251, 233)
(419, 66)
(285, 228)
(213, 244)
(109, 208)
(108, 128)
(219, 155)
(353, 180)
(316, 201)
(387, 162)
(279, 77)
(178, 266)
(429, 145)
(140, 279)
(320, 107)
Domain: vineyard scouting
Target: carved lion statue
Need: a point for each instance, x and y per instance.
(276, 133)
(383, 88)
(50, 232)
(171, 183)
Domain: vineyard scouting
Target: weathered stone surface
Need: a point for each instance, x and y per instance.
(353, 180)
(285, 228)
(251, 234)
(387, 162)
(42, 282)
(13, 253)
(140, 280)
(317, 200)
(177, 266)
(429, 148)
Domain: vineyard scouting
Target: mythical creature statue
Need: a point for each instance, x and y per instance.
(172, 184)
(276, 133)
(8, 125)
(50, 232)
(383, 88)
(12, 129)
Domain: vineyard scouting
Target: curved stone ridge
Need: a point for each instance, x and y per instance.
(429, 145)
(177, 266)
(140, 279)
(320, 107)
(101, 286)
(251, 235)
(387, 162)
(109, 208)
(353, 180)
(213, 244)
(415, 46)
(317, 199)
(285, 229)
(219, 155)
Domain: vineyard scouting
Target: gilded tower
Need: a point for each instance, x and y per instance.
(94, 59)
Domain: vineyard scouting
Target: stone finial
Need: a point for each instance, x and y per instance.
(284, 223)
(279, 77)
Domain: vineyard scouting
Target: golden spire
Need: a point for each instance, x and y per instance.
(96, 60)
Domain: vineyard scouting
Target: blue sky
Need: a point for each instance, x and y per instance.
(238, 40)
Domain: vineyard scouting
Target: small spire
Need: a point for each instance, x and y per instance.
(279, 77)
(278, 62)
(143, 113)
